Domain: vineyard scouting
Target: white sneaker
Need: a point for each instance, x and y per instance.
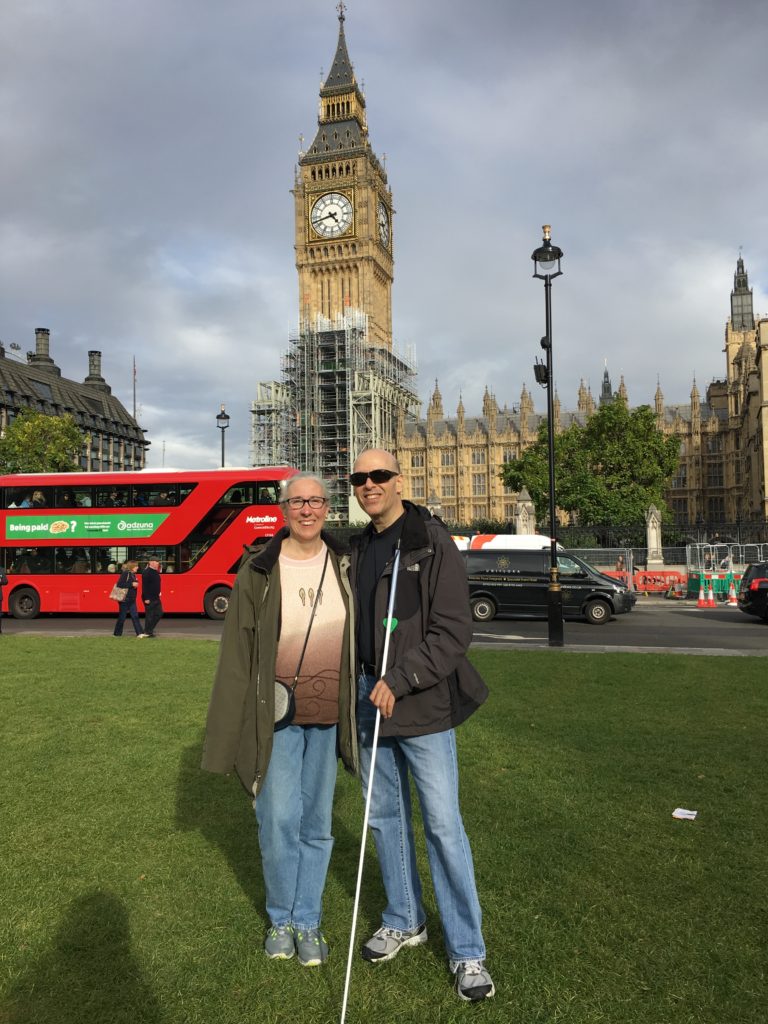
(386, 943)
(473, 982)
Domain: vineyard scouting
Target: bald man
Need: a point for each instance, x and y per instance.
(427, 688)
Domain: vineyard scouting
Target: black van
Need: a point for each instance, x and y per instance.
(515, 583)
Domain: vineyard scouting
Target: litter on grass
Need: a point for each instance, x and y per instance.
(680, 812)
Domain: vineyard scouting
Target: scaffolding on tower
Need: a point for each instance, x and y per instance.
(270, 424)
(339, 394)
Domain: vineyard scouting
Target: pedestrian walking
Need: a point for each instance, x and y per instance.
(150, 597)
(129, 582)
(289, 619)
(427, 688)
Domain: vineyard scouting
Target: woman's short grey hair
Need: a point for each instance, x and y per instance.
(285, 485)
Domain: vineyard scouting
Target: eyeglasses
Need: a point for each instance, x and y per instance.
(298, 503)
(376, 476)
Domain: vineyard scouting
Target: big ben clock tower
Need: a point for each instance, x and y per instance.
(344, 211)
(344, 386)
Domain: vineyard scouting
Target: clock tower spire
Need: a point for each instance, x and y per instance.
(343, 211)
(344, 385)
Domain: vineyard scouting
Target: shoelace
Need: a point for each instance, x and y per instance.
(470, 967)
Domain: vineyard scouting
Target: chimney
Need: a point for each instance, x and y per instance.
(94, 377)
(42, 356)
(43, 344)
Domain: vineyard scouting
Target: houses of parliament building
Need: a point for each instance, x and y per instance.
(454, 461)
(345, 387)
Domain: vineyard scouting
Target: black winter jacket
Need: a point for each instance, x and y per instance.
(436, 686)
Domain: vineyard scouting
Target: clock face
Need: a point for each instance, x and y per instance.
(383, 219)
(331, 215)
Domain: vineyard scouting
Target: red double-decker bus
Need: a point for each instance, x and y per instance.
(64, 536)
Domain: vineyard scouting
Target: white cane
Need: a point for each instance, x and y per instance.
(374, 745)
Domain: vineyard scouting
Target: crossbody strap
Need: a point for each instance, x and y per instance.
(318, 595)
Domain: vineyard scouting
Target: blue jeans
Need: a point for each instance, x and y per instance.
(293, 810)
(127, 608)
(431, 761)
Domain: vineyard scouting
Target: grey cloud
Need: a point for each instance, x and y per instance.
(148, 159)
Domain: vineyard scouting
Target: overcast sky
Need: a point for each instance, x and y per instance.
(147, 152)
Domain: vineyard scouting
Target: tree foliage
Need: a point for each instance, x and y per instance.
(36, 443)
(608, 471)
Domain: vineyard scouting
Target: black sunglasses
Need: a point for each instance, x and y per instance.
(377, 476)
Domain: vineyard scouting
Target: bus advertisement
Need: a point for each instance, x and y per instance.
(64, 536)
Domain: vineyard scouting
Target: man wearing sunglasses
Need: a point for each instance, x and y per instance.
(427, 688)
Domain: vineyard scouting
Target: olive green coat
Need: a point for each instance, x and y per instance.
(241, 712)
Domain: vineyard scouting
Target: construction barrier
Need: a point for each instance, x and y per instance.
(721, 582)
(658, 581)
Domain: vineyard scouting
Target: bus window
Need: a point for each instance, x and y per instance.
(30, 560)
(240, 494)
(156, 495)
(65, 498)
(247, 493)
(63, 560)
(111, 497)
(268, 494)
(73, 497)
(82, 561)
(163, 555)
(21, 498)
(42, 497)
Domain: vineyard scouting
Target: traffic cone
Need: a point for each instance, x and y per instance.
(702, 602)
(732, 601)
(711, 603)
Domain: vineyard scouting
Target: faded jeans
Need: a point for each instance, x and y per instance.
(433, 766)
(293, 810)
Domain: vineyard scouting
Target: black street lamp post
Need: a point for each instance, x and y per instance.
(546, 261)
(222, 422)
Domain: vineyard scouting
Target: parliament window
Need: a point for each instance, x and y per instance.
(417, 460)
(448, 458)
(479, 484)
(478, 456)
(448, 485)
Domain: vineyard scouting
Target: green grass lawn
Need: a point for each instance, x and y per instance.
(131, 888)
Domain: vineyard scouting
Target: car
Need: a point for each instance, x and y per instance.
(753, 591)
(516, 583)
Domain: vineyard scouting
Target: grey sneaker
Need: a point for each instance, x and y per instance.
(311, 947)
(279, 944)
(473, 982)
(386, 943)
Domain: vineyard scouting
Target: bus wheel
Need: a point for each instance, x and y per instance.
(483, 609)
(24, 603)
(216, 602)
(597, 612)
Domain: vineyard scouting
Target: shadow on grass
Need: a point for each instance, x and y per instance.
(89, 976)
(219, 809)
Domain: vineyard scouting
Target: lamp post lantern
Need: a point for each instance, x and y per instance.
(222, 422)
(546, 260)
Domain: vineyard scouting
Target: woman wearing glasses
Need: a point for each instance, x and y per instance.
(290, 619)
